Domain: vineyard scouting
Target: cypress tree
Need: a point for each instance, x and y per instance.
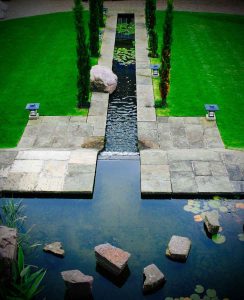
(83, 58)
(167, 41)
(94, 28)
(150, 10)
(100, 9)
(153, 43)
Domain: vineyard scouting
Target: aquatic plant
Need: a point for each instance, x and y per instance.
(24, 284)
(12, 214)
(126, 28)
(241, 237)
(125, 56)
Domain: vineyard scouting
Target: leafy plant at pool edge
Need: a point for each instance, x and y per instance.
(83, 58)
(166, 51)
(25, 284)
(94, 27)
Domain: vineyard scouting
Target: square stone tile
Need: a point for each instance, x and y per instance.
(28, 182)
(54, 168)
(43, 155)
(218, 169)
(7, 157)
(214, 184)
(26, 166)
(80, 169)
(153, 157)
(4, 170)
(234, 172)
(85, 157)
(238, 186)
(183, 182)
(49, 184)
(155, 186)
(181, 166)
(202, 168)
(79, 183)
(155, 172)
(146, 114)
(12, 182)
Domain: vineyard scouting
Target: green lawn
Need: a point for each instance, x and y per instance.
(207, 62)
(38, 64)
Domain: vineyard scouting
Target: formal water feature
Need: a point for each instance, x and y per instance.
(121, 130)
(118, 215)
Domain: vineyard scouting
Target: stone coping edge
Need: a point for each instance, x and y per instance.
(47, 195)
(183, 196)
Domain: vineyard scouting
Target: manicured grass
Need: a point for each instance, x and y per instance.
(38, 64)
(207, 67)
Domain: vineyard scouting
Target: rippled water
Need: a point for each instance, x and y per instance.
(121, 130)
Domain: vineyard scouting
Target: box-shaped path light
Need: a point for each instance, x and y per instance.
(155, 70)
(211, 109)
(33, 109)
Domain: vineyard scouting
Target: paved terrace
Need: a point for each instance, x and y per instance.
(178, 155)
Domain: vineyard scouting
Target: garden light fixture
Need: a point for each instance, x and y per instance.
(211, 109)
(33, 107)
(155, 70)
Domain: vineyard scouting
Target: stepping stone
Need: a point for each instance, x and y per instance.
(54, 248)
(211, 220)
(178, 248)
(78, 284)
(111, 258)
(154, 278)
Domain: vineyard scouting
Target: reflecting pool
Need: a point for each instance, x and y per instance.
(118, 215)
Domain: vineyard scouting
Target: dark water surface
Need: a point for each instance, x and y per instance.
(118, 215)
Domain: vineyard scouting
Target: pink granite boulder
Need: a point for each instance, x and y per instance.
(111, 258)
(103, 79)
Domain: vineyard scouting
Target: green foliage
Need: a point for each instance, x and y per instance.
(126, 28)
(101, 17)
(12, 214)
(150, 9)
(166, 51)
(25, 284)
(83, 59)
(153, 43)
(94, 28)
(125, 56)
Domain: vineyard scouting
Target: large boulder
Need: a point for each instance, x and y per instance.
(103, 79)
(211, 220)
(154, 278)
(8, 244)
(79, 285)
(178, 248)
(111, 258)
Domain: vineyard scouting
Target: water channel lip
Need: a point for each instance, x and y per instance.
(47, 195)
(183, 196)
(107, 155)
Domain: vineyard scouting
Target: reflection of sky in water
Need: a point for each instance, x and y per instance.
(117, 215)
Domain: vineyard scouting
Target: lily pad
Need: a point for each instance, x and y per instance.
(195, 297)
(240, 205)
(218, 238)
(169, 298)
(188, 208)
(223, 209)
(199, 289)
(241, 237)
(214, 203)
(206, 297)
(211, 293)
(198, 218)
(190, 202)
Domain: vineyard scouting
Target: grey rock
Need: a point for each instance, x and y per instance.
(178, 248)
(111, 258)
(154, 278)
(8, 244)
(54, 248)
(78, 284)
(211, 220)
(103, 79)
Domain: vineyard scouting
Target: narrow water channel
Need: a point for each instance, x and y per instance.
(121, 129)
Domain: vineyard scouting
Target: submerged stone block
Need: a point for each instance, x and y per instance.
(154, 278)
(211, 220)
(111, 258)
(79, 285)
(8, 244)
(178, 248)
